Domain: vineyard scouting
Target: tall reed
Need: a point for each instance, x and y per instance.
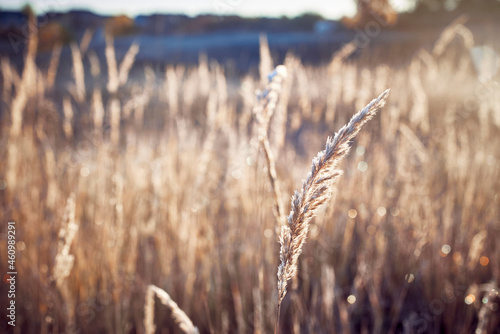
(316, 190)
(264, 110)
(117, 77)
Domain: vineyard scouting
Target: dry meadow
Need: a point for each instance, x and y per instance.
(144, 201)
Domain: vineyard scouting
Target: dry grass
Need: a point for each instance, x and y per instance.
(163, 176)
(316, 190)
(179, 316)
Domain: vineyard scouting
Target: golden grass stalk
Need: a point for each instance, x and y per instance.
(349, 83)
(453, 29)
(486, 310)
(113, 84)
(78, 73)
(419, 114)
(266, 61)
(112, 67)
(304, 90)
(364, 89)
(67, 233)
(203, 75)
(53, 65)
(8, 79)
(117, 76)
(263, 112)
(340, 56)
(24, 90)
(98, 109)
(208, 144)
(430, 63)
(126, 64)
(97, 105)
(334, 69)
(258, 323)
(114, 119)
(64, 261)
(279, 122)
(185, 324)
(68, 118)
(39, 89)
(28, 80)
(50, 168)
(316, 190)
(85, 41)
(172, 91)
(476, 248)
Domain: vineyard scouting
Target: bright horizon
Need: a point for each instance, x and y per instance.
(245, 8)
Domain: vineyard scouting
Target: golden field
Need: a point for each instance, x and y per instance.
(120, 183)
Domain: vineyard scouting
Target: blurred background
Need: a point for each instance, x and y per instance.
(131, 155)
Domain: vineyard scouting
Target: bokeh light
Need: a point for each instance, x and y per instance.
(484, 261)
(362, 166)
(470, 299)
(381, 211)
(445, 250)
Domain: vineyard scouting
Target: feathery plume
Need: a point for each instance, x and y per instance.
(316, 190)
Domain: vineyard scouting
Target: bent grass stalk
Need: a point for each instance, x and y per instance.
(179, 316)
(316, 190)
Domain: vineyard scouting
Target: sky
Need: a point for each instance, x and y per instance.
(332, 9)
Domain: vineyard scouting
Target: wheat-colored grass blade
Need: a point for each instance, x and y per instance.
(126, 64)
(113, 81)
(316, 190)
(64, 261)
(28, 80)
(68, 118)
(278, 125)
(8, 79)
(266, 61)
(53, 65)
(179, 316)
(264, 111)
(453, 29)
(85, 41)
(78, 73)
(97, 104)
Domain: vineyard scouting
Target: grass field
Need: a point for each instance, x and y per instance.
(119, 183)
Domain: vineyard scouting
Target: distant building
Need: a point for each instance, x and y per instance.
(325, 27)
